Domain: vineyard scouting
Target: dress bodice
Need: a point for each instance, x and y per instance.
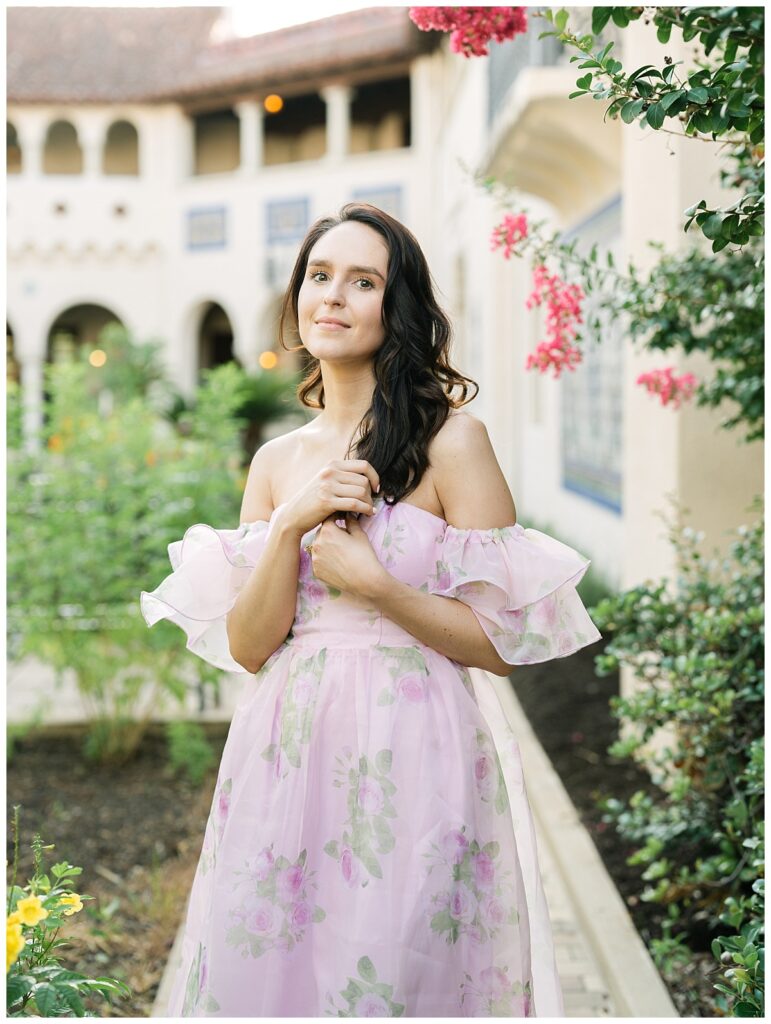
(519, 582)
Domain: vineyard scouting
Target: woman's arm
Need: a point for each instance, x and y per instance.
(474, 495)
(443, 623)
(260, 620)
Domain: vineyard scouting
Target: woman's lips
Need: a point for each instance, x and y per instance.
(331, 327)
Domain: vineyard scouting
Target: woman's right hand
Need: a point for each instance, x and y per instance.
(343, 485)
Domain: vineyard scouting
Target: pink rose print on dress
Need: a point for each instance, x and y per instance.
(277, 908)
(293, 728)
(261, 917)
(413, 689)
(302, 914)
(484, 870)
(463, 903)
(222, 806)
(367, 832)
(493, 912)
(289, 882)
(455, 845)
(409, 676)
(371, 796)
(197, 997)
(494, 994)
(262, 865)
(488, 773)
(473, 896)
(365, 996)
(312, 593)
(349, 866)
(483, 774)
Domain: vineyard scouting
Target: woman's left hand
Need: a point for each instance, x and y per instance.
(344, 558)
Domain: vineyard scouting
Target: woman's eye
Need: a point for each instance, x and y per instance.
(366, 280)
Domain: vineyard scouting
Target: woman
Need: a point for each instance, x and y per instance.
(370, 848)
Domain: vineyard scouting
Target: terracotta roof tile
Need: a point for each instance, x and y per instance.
(122, 54)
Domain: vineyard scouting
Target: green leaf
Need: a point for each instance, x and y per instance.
(46, 999)
(561, 19)
(712, 226)
(383, 761)
(664, 31)
(366, 970)
(631, 109)
(671, 98)
(600, 16)
(655, 115)
(697, 95)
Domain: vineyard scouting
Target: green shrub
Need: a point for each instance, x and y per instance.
(697, 648)
(36, 983)
(189, 750)
(90, 516)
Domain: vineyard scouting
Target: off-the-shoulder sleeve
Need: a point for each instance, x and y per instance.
(210, 568)
(521, 585)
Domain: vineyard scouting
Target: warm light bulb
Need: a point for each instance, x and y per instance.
(97, 357)
(273, 103)
(268, 360)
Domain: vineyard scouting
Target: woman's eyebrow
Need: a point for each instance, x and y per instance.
(366, 270)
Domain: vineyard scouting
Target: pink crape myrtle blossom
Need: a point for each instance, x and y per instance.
(563, 304)
(511, 231)
(472, 28)
(671, 390)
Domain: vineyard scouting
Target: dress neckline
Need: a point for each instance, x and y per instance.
(380, 504)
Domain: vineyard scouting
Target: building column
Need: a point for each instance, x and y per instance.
(338, 101)
(31, 133)
(92, 133)
(251, 135)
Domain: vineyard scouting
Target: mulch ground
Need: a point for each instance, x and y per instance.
(137, 830)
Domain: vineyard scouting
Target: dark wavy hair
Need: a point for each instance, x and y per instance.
(414, 381)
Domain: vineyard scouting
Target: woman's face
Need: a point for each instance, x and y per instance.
(344, 281)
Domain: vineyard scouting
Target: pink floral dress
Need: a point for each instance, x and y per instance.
(370, 849)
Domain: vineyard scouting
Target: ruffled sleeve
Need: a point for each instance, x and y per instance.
(210, 568)
(521, 585)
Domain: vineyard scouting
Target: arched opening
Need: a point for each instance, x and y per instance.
(12, 366)
(12, 150)
(121, 149)
(62, 153)
(76, 328)
(73, 330)
(215, 339)
(380, 115)
(217, 142)
(297, 132)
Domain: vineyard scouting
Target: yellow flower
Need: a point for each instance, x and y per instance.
(31, 910)
(14, 942)
(73, 901)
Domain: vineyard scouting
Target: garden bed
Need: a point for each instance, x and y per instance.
(568, 707)
(135, 830)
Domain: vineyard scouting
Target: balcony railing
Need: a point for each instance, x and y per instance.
(509, 58)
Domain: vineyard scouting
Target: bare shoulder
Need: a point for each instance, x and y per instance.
(258, 500)
(467, 476)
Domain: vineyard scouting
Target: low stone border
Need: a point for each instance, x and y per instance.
(634, 983)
